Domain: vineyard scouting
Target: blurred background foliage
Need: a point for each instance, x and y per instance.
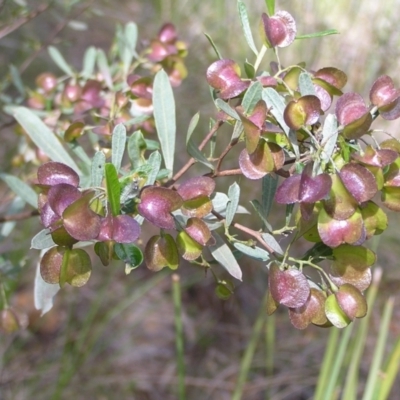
(114, 338)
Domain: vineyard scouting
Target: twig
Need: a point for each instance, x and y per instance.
(249, 231)
(19, 216)
(23, 20)
(192, 161)
(53, 35)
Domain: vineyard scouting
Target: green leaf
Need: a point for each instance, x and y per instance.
(155, 162)
(192, 149)
(97, 169)
(58, 58)
(20, 188)
(260, 211)
(130, 254)
(127, 40)
(213, 46)
(136, 148)
(43, 292)
(318, 34)
(42, 136)
(233, 203)
(249, 70)
(306, 85)
(252, 96)
(271, 242)
(89, 61)
(42, 240)
(16, 79)
(237, 131)
(104, 68)
(113, 188)
(223, 254)
(329, 136)
(269, 186)
(226, 108)
(152, 145)
(220, 201)
(270, 7)
(164, 116)
(244, 19)
(277, 105)
(16, 206)
(118, 145)
(253, 252)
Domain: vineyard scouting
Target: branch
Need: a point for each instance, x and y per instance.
(23, 20)
(19, 216)
(192, 160)
(249, 231)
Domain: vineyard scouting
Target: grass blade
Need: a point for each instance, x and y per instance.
(179, 342)
(248, 355)
(379, 351)
(360, 336)
(390, 372)
(325, 370)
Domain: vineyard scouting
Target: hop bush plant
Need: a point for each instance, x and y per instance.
(311, 145)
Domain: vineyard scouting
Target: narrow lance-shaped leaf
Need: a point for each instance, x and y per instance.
(58, 58)
(269, 185)
(20, 188)
(227, 109)
(260, 211)
(97, 169)
(318, 34)
(118, 145)
(277, 105)
(89, 61)
(192, 149)
(252, 97)
(329, 136)
(164, 116)
(16, 206)
(213, 45)
(104, 68)
(233, 194)
(127, 45)
(42, 136)
(136, 147)
(244, 19)
(306, 85)
(223, 254)
(155, 162)
(271, 242)
(16, 79)
(254, 252)
(113, 189)
(237, 131)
